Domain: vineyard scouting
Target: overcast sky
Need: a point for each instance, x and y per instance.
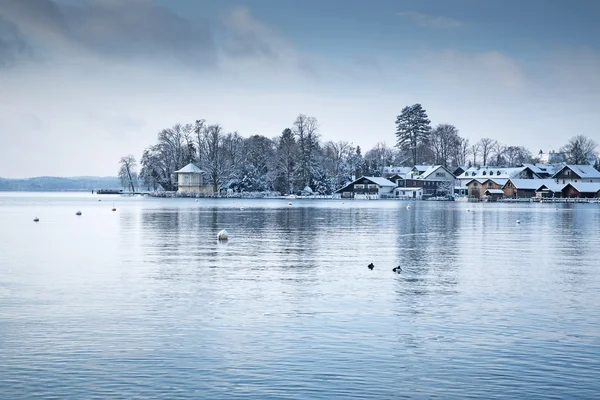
(84, 82)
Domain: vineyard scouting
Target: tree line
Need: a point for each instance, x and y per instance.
(298, 160)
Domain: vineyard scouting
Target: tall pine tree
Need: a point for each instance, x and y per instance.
(412, 129)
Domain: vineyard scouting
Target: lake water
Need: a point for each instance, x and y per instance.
(144, 302)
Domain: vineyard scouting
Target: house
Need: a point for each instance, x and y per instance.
(476, 188)
(549, 189)
(523, 188)
(576, 173)
(543, 170)
(367, 187)
(431, 187)
(409, 193)
(581, 190)
(445, 178)
(493, 194)
(419, 170)
(523, 172)
(192, 179)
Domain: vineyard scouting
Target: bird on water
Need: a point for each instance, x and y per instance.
(371, 266)
(397, 269)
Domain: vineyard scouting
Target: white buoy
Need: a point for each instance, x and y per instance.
(196, 200)
(241, 208)
(223, 235)
(408, 207)
(518, 221)
(78, 213)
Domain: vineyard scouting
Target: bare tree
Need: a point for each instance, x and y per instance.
(127, 172)
(214, 156)
(461, 151)
(579, 150)
(497, 152)
(379, 156)
(475, 149)
(486, 146)
(517, 155)
(287, 153)
(306, 130)
(444, 139)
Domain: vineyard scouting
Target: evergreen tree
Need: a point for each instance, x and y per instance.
(412, 129)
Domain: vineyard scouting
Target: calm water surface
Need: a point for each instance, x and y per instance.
(144, 302)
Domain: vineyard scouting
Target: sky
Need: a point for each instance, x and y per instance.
(84, 82)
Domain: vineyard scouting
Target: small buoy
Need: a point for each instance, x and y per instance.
(241, 208)
(196, 200)
(290, 203)
(408, 207)
(222, 235)
(342, 202)
(518, 221)
(78, 213)
(36, 219)
(468, 210)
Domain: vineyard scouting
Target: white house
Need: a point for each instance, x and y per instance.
(577, 173)
(367, 187)
(191, 179)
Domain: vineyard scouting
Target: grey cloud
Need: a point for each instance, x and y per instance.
(12, 44)
(110, 28)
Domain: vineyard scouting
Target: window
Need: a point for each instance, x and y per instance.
(440, 174)
(371, 186)
(483, 173)
(359, 186)
(498, 173)
(475, 184)
(472, 173)
(489, 184)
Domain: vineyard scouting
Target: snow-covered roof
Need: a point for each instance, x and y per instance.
(434, 168)
(489, 172)
(551, 185)
(190, 169)
(380, 181)
(396, 170)
(410, 189)
(495, 191)
(529, 184)
(586, 187)
(584, 171)
(422, 168)
(497, 181)
(543, 169)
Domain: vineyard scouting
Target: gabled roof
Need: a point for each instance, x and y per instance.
(190, 168)
(421, 168)
(375, 179)
(542, 168)
(584, 171)
(434, 168)
(498, 181)
(494, 191)
(528, 184)
(585, 187)
(380, 181)
(551, 185)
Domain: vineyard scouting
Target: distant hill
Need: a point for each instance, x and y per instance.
(53, 183)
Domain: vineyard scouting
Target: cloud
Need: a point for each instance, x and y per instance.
(119, 30)
(430, 21)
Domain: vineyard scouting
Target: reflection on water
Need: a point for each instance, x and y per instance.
(145, 302)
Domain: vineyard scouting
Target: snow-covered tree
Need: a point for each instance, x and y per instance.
(306, 130)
